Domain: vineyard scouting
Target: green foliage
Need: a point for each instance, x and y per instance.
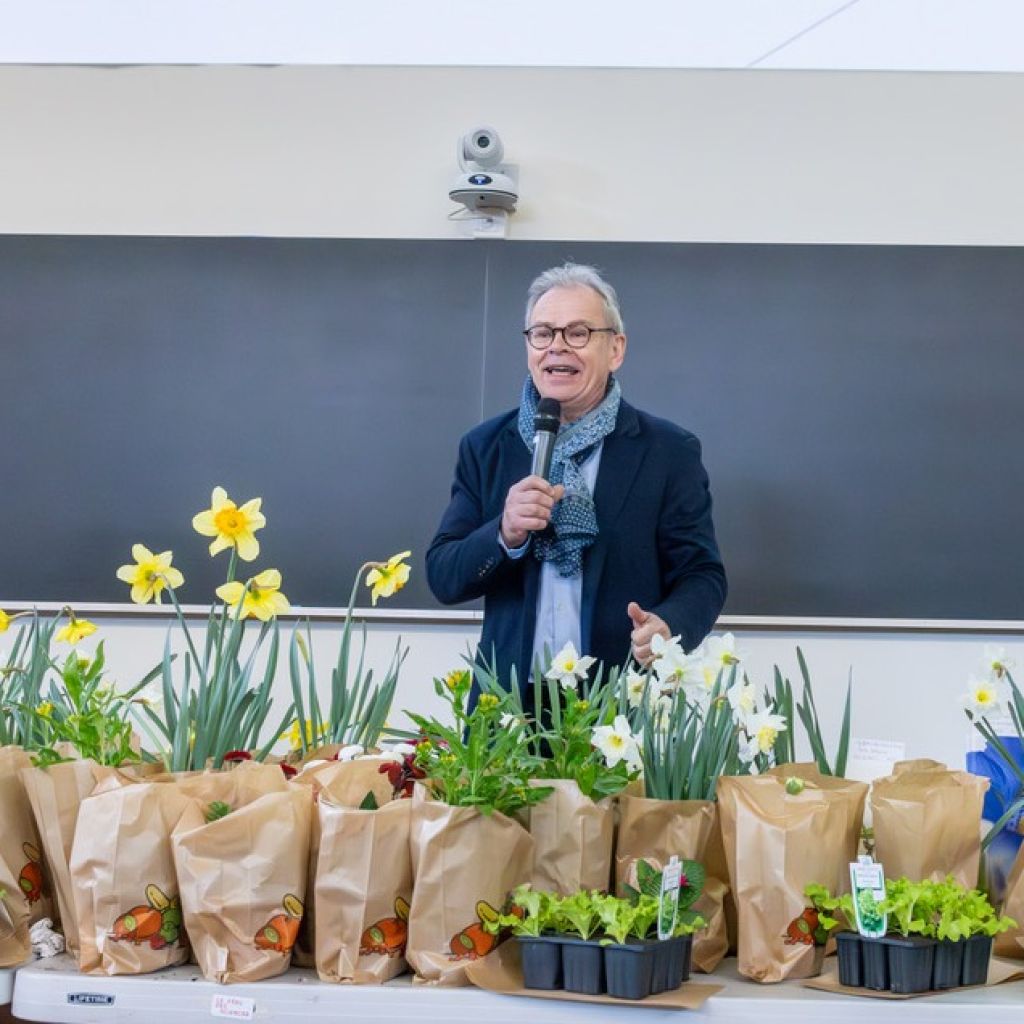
(479, 761)
(648, 877)
(22, 681)
(587, 915)
(933, 910)
(359, 707)
(1015, 707)
(216, 810)
(833, 911)
(686, 748)
(807, 711)
(564, 744)
(219, 705)
(84, 711)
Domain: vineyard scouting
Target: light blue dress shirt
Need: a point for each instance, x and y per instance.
(559, 599)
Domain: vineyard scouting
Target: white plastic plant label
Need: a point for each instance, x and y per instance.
(669, 898)
(867, 884)
(233, 1007)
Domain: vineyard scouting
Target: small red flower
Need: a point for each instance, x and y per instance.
(237, 756)
(290, 771)
(402, 775)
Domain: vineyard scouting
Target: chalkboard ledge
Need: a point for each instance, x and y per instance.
(456, 617)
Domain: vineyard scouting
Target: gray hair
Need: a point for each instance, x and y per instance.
(576, 275)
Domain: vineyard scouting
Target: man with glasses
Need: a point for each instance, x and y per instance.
(619, 546)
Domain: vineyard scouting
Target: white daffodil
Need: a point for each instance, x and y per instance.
(763, 730)
(568, 667)
(995, 660)
(983, 696)
(152, 695)
(636, 684)
(747, 750)
(351, 752)
(717, 656)
(617, 743)
(660, 706)
(669, 661)
(743, 701)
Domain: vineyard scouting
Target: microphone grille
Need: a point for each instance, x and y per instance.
(549, 414)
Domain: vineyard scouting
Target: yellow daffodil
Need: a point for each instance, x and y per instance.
(75, 631)
(5, 621)
(386, 580)
(295, 737)
(150, 574)
(263, 599)
(231, 526)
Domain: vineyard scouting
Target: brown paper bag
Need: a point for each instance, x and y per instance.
(242, 877)
(927, 823)
(465, 865)
(21, 859)
(351, 781)
(363, 883)
(14, 944)
(654, 830)
(1011, 943)
(573, 839)
(125, 888)
(776, 843)
(56, 793)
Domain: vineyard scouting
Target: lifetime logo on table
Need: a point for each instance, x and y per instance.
(89, 999)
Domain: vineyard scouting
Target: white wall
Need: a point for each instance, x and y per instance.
(906, 687)
(605, 155)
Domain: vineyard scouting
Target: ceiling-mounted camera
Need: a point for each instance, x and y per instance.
(486, 185)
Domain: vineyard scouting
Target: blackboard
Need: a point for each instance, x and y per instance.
(860, 407)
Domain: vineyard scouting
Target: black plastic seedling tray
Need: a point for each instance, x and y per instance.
(632, 970)
(911, 965)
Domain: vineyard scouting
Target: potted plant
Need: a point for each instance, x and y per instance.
(939, 935)
(586, 754)
(469, 848)
(591, 942)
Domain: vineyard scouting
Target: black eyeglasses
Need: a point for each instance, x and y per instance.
(576, 334)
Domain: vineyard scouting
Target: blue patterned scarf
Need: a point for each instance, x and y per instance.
(573, 526)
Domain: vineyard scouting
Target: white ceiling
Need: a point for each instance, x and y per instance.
(911, 35)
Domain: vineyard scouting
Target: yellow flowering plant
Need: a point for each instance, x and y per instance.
(221, 704)
(85, 712)
(359, 708)
(483, 759)
(575, 711)
(42, 701)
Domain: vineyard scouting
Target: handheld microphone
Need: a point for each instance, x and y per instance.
(545, 429)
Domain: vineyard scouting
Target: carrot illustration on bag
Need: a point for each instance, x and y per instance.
(158, 922)
(806, 930)
(388, 936)
(281, 931)
(474, 941)
(30, 879)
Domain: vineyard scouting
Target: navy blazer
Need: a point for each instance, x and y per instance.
(656, 542)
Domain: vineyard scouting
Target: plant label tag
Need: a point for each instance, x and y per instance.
(867, 885)
(234, 1007)
(669, 898)
(870, 759)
